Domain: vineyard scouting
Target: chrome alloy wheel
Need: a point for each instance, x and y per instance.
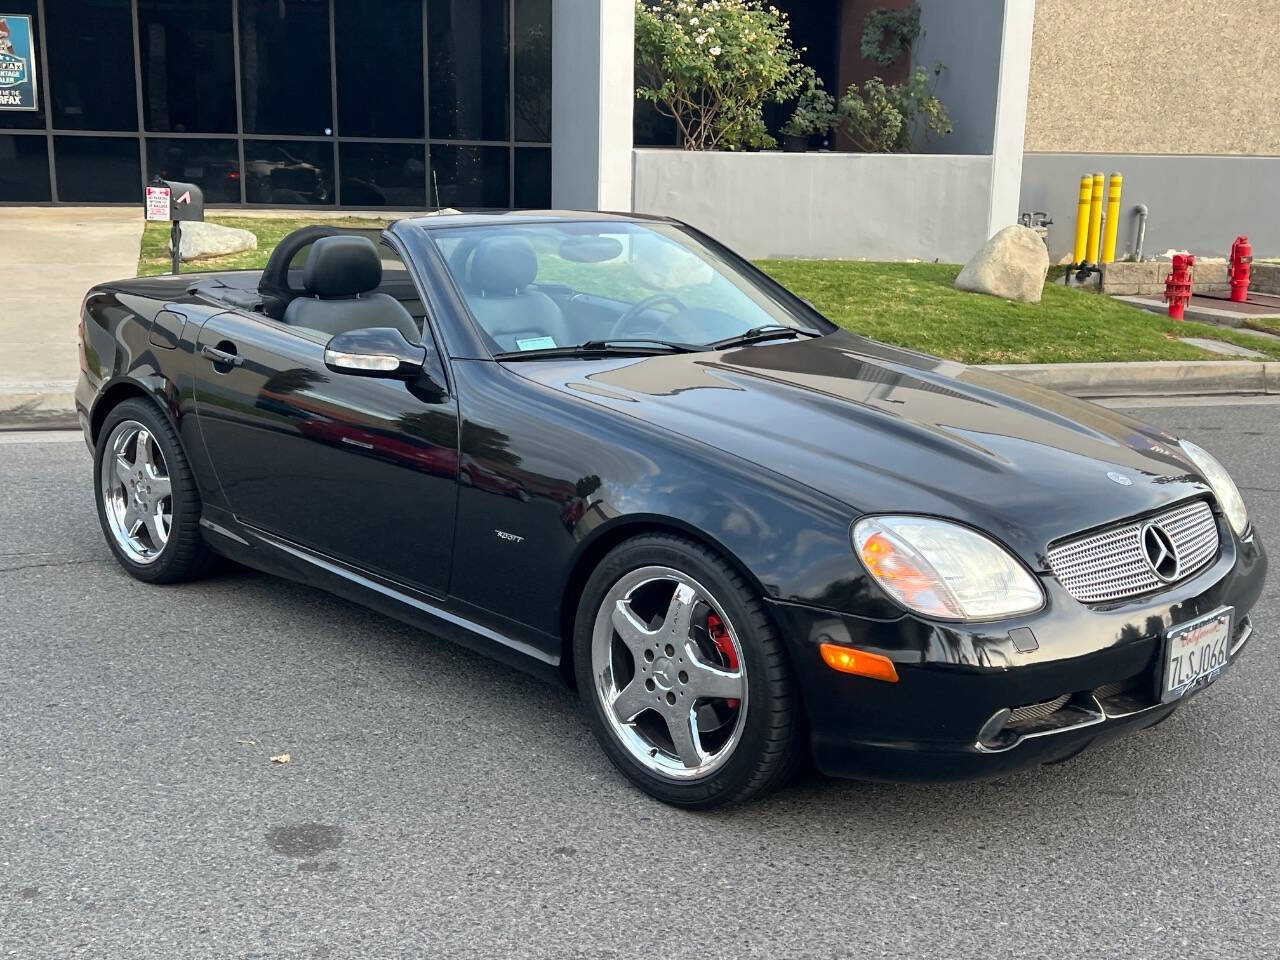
(137, 496)
(669, 673)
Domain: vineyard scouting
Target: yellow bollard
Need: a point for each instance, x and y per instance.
(1113, 218)
(1095, 220)
(1082, 219)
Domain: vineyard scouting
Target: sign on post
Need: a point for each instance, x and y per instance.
(175, 201)
(157, 203)
(17, 63)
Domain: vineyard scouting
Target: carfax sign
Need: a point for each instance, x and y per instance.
(17, 63)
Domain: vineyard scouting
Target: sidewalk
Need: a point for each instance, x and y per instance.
(49, 258)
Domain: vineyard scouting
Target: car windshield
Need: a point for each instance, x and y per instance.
(561, 285)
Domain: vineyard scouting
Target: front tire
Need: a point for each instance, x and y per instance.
(682, 677)
(148, 503)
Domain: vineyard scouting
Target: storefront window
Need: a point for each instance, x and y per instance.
(288, 172)
(24, 169)
(469, 176)
(383, 175)
(92, 92)
(533, 177)
(284, 67)
(98, 169)
(188, 66)
(379, 70)
(467, 54)
(212, 165)
(308, 103)
(533, 70)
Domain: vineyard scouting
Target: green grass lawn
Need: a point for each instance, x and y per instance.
(154, 257)
(1265, 324)
(909, 304)
(915, 305)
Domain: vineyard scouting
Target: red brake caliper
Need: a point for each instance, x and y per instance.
(720, 637)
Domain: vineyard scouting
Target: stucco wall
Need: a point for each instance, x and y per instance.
(1141, 76)
(1196, 203)
(836, 205)
(965, 37)
(592, 100)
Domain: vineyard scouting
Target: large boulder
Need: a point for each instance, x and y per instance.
(1011, 265)
(202, 240)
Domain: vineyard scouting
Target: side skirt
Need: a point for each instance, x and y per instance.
(270, 554)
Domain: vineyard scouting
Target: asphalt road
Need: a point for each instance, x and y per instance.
(439, 805)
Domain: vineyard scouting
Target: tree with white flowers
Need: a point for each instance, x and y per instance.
(712, 66)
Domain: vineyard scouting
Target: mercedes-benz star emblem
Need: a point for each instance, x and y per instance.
(1116, 477)
(1160, 552)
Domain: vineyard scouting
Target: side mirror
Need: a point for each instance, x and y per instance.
(375, 352)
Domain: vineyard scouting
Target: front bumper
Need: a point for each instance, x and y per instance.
(1101, 665)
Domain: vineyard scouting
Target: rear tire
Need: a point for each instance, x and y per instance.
(147, 499)
(682, 677)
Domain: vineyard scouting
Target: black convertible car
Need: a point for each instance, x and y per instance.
(607, 449)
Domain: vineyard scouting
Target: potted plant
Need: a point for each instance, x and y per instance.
(814, 115)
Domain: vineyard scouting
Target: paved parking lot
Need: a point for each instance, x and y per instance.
(439, 805)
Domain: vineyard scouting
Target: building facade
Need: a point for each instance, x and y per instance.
(1181, 97)
(317, 103)
(411, 104)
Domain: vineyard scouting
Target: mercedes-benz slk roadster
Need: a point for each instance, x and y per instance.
(608, 450)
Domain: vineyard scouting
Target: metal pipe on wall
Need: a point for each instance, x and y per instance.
(1141, 211)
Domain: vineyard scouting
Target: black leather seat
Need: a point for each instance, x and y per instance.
(338, 278)
(495, 280)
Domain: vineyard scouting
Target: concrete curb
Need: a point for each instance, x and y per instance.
(45, 405)
(51, 405)
(1158, 378)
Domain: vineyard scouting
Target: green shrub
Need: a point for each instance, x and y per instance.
(712, 66)
(886, 118)
(815, 112)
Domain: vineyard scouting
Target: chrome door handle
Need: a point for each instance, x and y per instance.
(221, 356)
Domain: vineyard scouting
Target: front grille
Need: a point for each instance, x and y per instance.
(1111, 565)
(1035, 711)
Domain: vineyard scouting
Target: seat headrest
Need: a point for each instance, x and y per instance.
(342, 267)
(503, 265)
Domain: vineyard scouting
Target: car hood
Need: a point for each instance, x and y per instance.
(890, 430)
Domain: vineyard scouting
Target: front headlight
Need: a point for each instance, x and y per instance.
(1224, 488)
(943, 570)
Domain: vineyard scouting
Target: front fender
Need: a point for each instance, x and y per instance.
(547, 479)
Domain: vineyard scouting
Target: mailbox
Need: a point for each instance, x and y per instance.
(176, 202)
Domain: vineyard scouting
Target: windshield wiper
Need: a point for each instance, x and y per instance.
(768, 331)
(604, 348)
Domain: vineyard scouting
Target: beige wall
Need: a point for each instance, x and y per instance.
(1138, 76)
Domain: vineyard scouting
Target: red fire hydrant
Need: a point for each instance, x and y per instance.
(1177, 286)
(1240, 266)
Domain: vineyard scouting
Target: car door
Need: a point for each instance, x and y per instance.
(363, 470)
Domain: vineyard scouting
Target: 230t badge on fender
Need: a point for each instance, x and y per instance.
(610, 451)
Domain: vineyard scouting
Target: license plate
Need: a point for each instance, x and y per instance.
(1196, 653)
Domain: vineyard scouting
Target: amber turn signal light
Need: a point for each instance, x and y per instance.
(848, 660)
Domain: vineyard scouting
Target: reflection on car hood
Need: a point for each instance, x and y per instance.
(889, 430)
